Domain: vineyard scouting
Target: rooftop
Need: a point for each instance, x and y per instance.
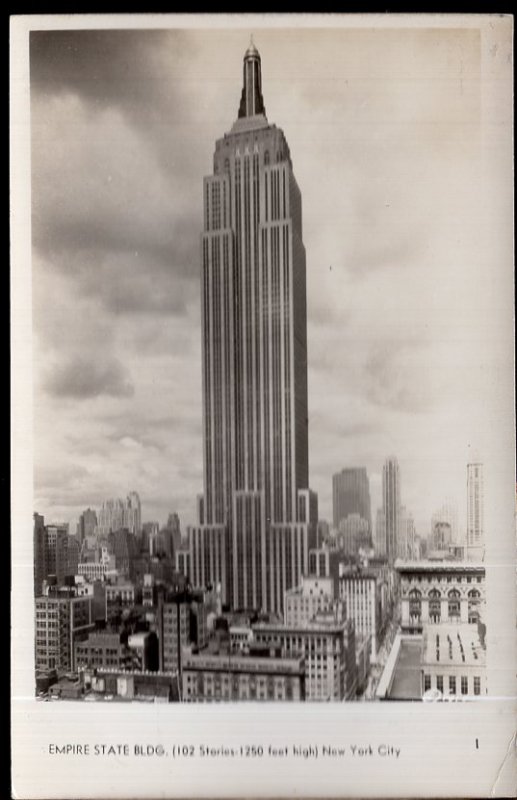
(439, 566)
(453, 644)
(242, 663)
(406, 677)
(320, 625)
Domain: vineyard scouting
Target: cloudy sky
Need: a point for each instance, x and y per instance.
(407, 278)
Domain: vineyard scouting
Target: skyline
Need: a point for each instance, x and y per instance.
(129, 417)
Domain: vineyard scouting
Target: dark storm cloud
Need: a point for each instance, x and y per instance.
(58, 231)
(83, 378)
(106, 67)
(114, 204)
(141, 74)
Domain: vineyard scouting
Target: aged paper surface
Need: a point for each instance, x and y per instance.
(400, 134)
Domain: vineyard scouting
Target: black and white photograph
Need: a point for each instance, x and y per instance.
(263, 392)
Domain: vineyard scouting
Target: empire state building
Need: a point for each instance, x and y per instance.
(257, 516)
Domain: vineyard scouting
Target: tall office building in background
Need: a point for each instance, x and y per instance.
(475, 510)
(257, 516)
(391, 505)
(447, 514)
(116, 514)
(351, 495)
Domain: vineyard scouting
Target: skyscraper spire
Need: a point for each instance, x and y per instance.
(252, 102)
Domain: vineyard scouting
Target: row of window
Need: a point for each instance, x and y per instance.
(452, 684)
(443, 579)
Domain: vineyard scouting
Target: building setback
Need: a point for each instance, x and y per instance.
(257, 517)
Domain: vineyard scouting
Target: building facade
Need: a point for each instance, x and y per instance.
(351, 495)
(406, 537)
(61, 619)
(182, 621)
(182, 562)
(475, 511)
(380, 533)
(120, 595)
(257, 518)
(313, 596)
(208, 678)
(391, 506)
(328, 647)
(440, 593)
(62, 552)
(354, 534)
(447, 514)
(116, 514)
(103, 649)
(366, 595)
(453, 661)
(87, 525)
(40, 552)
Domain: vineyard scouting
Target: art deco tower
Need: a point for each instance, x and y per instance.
(475, 511)
(391, 505)
(256, 517)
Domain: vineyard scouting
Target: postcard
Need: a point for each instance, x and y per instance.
(264, 486)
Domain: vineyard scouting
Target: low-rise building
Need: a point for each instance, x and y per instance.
(104, 649)
(97, 564)
(241, 636)
(446, 661)
(236, 678)
(315, 594)
(327, 644)
(96, 591)
(438, 592)
(143, 646)
(121, 595)
(453, 660)
(131, 685)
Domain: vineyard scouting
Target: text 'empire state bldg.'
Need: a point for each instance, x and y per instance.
(257, 516)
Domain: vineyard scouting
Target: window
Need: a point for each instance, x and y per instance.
(464, 684)
(427, 682)
(439, 683)
(477, 684)
(452, 684)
